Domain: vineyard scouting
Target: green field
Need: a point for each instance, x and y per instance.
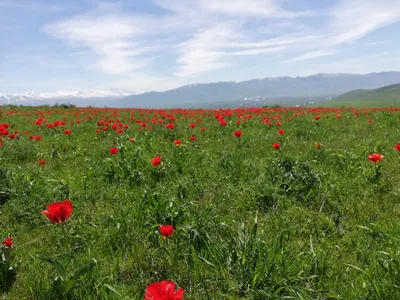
(250, 221)
(382, 97)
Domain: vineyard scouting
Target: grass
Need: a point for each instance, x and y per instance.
(251, 222)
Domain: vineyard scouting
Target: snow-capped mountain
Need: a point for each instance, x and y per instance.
(90, 97)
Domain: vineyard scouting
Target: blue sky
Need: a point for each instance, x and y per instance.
(140, 45)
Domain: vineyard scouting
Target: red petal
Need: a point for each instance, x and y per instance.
(66, 210)
(179, 294)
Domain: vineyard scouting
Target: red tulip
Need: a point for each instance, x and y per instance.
(375, 157)
(166, 230)
(156, 160)
(114, 150)
(192, 125)
(67, 131)
(38, 138)
(193, 138)
(8, 242)
(281, 131)
(397, 147)
(177, 142)
(163, 290)
(238, 133)
(276, 146)
(222, 122)
(59, 212)
(316, 118)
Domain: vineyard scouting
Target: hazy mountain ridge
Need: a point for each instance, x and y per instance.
(255, 92)
(90, 97)
(285, 88)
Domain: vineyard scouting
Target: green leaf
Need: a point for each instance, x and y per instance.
(57, 266)
(111, 288)
(84, 269)
(369, 277)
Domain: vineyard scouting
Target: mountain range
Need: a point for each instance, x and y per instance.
(278, 90)
(275, 90)
(78, 98)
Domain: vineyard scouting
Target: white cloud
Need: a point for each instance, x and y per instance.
(310, 55)
(353, 19)
(27, 5)
(230, 8)
(204, 36)
(114, 39)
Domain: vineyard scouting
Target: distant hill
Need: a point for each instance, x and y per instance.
(279, 90)
(384, 96)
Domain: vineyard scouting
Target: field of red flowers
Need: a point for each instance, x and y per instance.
(255, 203)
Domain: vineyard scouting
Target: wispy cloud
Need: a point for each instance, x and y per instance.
(32, 6)
(204, 36)
(113, 39)
(353, 19)
(310, 55)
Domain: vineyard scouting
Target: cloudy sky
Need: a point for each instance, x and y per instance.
(139, 45)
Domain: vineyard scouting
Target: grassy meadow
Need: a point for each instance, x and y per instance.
(312, 219)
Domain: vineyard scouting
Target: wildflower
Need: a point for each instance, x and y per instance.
(163, 290)
(156, 160)
(166, 230)
(177, 142)
(281, 131)
(276, 146)
(238, 133)
(375, 157)
(114, 150)
(397, 147)
(42, 162)
(8, 242)
(67, 131)
(59, 212)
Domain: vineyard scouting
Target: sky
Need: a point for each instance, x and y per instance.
(141, 45)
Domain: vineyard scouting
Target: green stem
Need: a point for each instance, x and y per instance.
(64, 228)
